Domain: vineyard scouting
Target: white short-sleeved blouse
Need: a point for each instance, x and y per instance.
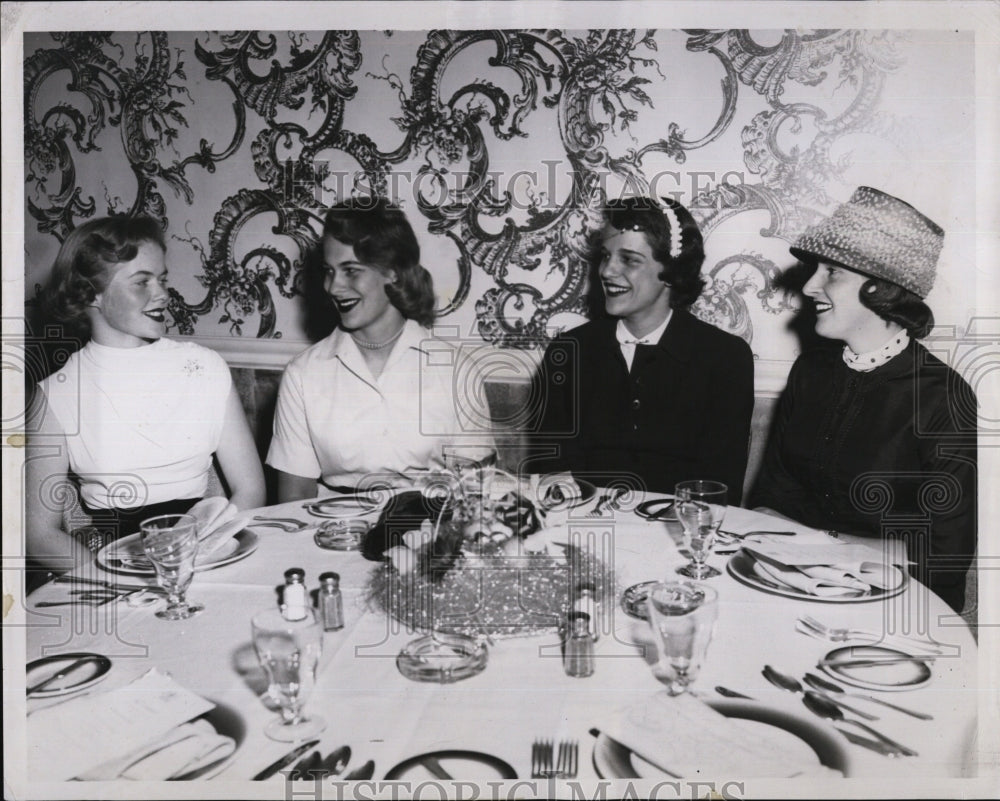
(338, 423)
(141, 424)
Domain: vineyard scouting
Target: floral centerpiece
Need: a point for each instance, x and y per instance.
(462, 557)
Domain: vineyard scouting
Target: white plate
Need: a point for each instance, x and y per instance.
(798, 736)
(339, 506)
(898, 676)
(239, 547)
(95, 668)
(740, 567)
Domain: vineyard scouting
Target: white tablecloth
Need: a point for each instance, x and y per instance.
(523, 694)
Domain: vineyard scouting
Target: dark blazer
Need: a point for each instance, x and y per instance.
(683, 412)
(891, 452)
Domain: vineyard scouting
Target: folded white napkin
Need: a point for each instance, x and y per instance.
(686, 738)
(148, 729)
(805, 580)
(824, 570)
(218, 522)
(185, 749)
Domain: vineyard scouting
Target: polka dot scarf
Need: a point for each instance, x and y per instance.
(873, 359)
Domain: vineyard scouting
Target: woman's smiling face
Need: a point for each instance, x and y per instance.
(357, 289)
(131, 311)
(630, 276)
(840, 315)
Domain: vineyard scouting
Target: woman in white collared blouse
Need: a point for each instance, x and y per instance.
(374, 401)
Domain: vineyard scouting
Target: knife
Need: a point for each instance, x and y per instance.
(60, 674)
(725, 691)
(366, 771)
(874, 660)
(106, 584)
(285, 761)
(871, 745)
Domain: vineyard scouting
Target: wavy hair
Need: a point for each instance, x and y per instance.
(682, 273)
(85, 266)
(897, 304)
(382, 236)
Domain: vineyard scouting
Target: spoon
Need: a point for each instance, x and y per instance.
(824, 706)
(793, 685)
(336, 761)
(366, 771)
(819, 683)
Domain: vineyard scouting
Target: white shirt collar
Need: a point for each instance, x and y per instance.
(625, 337)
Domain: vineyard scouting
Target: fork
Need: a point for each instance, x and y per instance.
(843, 634)
(285, 523)
(607, 501)
(541, 759)
(566, 763)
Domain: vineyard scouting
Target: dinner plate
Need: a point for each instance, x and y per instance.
(908, 675)
(110, 556)
(460, 765)
(798, 735)
(548, 483)
(740, 567)
(657, 509)
(86, 675)
(342, 506)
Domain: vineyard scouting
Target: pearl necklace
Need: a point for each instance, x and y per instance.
(378, 345)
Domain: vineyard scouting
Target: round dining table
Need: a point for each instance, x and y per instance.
(523, 695)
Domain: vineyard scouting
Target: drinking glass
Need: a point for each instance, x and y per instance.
(171, 543)
(289, 651)
(682, 615)
(701, 507)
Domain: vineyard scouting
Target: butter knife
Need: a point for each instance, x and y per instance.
(60, 674)
(871, 745)
(285, 761)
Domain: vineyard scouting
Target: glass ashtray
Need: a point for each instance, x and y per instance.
(342, 534)
(443, 658)
(634, 600)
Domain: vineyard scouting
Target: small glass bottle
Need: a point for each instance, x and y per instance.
(331, 602)
(295, 599)
(578, 648)
(586, 603)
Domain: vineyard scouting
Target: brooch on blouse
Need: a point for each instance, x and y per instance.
(194, 367)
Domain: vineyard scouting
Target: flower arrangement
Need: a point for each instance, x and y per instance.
(458, 561)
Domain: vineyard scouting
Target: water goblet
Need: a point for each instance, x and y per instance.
(682, 615)
(701, 507)
(289, 652)
(171, 544)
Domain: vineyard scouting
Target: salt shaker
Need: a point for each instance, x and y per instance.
(295, 599)
(578, 648)
(331, 602)
(586, 604)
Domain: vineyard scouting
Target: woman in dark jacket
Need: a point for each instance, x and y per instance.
(878, 439)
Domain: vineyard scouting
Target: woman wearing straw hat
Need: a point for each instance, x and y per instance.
(878, 439)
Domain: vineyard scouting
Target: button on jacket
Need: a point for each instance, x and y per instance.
(682, 412)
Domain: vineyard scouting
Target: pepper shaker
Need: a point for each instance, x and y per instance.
(578, 649)
(331, 602)
(586, 603)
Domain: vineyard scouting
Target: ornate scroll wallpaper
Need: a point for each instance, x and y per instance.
(500, 145)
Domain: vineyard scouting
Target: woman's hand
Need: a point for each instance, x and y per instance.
(238, 458)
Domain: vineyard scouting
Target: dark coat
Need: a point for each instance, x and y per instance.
(683, 412)
(891, 452)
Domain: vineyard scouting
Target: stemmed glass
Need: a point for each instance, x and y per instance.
(289, 652)
(171, 543)
(701, 507)
(682, 615)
